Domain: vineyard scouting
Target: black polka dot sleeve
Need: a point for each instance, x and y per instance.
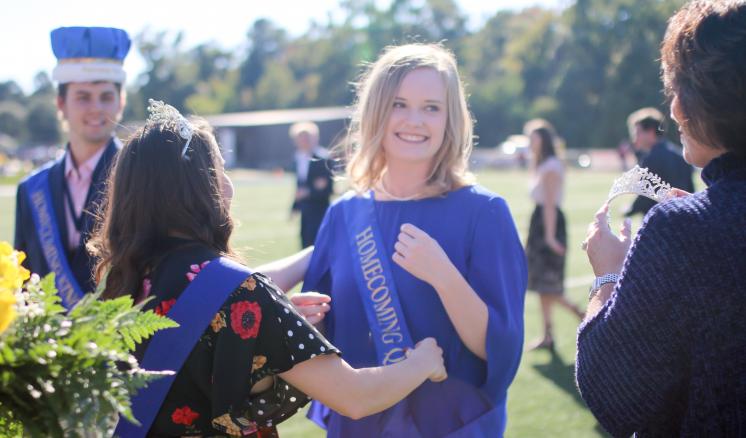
(295, 339)
(282, 339)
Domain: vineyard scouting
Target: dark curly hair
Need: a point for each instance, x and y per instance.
(704, 66)
(153, 193)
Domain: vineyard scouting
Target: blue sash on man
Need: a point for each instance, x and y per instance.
(42, 212)
(375, 283)
(169, 349)
(41, 229)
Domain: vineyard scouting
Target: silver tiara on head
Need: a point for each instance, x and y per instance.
(166, 115)
(640, 181)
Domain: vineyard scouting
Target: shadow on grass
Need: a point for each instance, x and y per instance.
(563, 375)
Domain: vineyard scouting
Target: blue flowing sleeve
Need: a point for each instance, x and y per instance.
(497, 272)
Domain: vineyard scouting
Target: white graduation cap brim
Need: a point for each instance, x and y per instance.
(89, 70)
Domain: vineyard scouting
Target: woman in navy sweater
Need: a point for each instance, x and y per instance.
(663, 349)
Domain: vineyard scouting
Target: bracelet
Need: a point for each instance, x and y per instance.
(600, 281)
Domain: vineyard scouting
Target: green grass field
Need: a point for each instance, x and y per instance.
(543, 400)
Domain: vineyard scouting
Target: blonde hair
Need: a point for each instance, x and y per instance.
(376, 91)
(650, 114)
(300, 127)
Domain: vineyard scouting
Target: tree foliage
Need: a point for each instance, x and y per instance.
(584, 67)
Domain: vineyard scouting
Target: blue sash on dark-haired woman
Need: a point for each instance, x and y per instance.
(234, 329)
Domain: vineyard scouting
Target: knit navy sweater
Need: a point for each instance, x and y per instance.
(666, 355)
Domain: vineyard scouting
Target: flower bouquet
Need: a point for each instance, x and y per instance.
(65, 373)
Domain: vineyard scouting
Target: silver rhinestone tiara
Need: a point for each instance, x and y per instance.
(640, 181)
(166, 115)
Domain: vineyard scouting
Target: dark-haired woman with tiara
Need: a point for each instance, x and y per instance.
(245, 360)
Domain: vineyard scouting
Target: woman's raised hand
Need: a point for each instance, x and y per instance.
(312, 305)
(419, 254)
(606, 251)
(430, 355)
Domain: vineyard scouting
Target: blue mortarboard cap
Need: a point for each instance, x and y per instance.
(88, 54)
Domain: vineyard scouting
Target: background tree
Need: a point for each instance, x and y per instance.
(584, 68)
(42, 125)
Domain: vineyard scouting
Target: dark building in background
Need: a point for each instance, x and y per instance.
(259, 139)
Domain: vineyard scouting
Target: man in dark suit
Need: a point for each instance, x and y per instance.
(55, 206)
(656, 154)
(314, 180)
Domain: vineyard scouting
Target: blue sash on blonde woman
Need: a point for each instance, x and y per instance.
(390, 335)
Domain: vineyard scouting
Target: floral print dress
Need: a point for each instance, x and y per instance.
(257, 333)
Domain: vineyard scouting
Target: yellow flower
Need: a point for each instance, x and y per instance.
(12, 277)
(12, 274)
(218, 322)
(226, 424)
(7, 309)
(258, 362)
(249, 284)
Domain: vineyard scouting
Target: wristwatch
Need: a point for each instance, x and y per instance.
(600, 281)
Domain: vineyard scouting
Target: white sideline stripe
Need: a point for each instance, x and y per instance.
(574, 282)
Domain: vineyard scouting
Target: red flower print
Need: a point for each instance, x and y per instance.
(165, 306)
(249, 284)
(245, 319)
(267, 432)
(185, 416)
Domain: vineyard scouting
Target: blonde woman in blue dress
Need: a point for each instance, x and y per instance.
(416, 249)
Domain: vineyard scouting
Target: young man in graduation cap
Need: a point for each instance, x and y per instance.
(55, 206)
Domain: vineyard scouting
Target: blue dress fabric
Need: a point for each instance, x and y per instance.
(477, 232)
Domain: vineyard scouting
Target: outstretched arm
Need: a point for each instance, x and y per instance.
(289, 271)
(357, 393)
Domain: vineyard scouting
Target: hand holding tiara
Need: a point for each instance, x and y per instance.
(639, 181)
(166, 115)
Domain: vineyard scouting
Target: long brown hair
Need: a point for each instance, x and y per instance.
(154, 192)
(547, 149)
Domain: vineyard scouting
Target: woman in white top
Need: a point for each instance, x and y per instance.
(547, 236)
